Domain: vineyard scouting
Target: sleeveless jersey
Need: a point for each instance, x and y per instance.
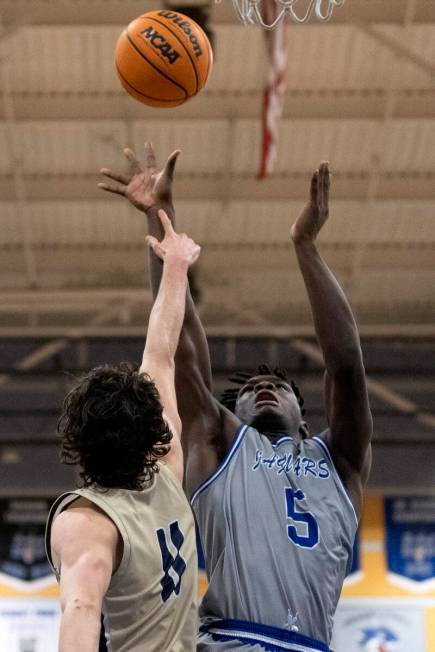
(277, 528)
(151, 603)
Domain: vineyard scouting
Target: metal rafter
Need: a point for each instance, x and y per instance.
(49, 349)
(376, 388)
(112, 12)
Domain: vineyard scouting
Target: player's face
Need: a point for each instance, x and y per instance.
(268, 402)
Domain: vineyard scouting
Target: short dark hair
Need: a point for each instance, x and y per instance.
(112, 425)
(240, 378)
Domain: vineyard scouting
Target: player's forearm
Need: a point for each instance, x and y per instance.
(193, 347)
(156, 264)
(155, 229)
(334, 323)
(79, 628)
(167, 314)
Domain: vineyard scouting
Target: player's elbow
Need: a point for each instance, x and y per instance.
(83, 606)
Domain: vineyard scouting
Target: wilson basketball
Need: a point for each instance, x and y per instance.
(163, 58)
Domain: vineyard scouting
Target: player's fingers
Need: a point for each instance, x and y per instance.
(166, 222)
(150, 156)
(325, 180)
(151, 240)
(155, 246)
(324, 171)
(314, 186)
(134, 163)
(196, 253)
(170, 164)
(328, 177)
(117, 188)
(115, 176)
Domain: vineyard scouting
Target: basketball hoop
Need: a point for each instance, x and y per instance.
(249, 11)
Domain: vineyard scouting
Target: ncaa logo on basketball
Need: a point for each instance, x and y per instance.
(158, 41)
(185, 26)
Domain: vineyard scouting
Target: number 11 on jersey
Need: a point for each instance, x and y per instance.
(307, 535)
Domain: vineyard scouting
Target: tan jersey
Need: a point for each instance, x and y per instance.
(151, 603)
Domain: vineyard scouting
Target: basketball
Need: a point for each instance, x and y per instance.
(163, 58)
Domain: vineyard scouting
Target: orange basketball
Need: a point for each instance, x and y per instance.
(163, 58)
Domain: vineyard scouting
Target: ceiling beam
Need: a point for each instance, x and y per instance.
(378, 389)
(415, 331)
(113, 12)
(49, 349)
(243, 187)
(400, 50)
(317, 104)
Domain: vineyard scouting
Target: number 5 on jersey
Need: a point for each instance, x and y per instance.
(305, 532)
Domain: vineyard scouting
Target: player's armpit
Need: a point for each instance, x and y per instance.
(350, 421)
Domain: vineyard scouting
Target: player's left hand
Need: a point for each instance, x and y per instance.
(144, 186)
(316, 211)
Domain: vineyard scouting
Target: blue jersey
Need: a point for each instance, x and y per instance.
(277, 528)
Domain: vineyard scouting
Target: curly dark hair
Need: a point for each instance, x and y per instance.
(240, 378)
(112, 426)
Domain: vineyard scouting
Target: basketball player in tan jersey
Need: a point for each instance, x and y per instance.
(123, 546)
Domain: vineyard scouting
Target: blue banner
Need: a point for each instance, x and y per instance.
(22, 546)
(410, 540)
(356, 559)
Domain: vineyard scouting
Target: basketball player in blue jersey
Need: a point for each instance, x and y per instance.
(123, 546)
(277, 509)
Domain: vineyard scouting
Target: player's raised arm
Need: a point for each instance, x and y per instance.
(347, 405)
(149, 189)
(178, 252)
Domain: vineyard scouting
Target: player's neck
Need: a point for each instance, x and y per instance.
(274, 434)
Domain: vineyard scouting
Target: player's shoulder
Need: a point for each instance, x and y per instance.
(79, 527)
(168, 476)
(317, 441)
(82, 516)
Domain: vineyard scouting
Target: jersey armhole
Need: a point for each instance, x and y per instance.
(324, 446)
(59, 505)
(63, 502)
(237, 440)
(173, 477)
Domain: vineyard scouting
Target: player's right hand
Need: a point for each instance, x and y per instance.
(176, 247)
(145, 187)
(315, 213)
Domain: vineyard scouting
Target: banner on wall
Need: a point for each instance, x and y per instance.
(410, 542)
(23, 563)
(29, 622)
(355, 573)
(29, 625)
(358, 628)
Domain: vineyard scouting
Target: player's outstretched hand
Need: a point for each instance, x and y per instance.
(144, 186)
(175, 246)
(316, 211)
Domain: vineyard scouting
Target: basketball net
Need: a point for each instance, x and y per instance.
(250, 11)
(274, 93)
